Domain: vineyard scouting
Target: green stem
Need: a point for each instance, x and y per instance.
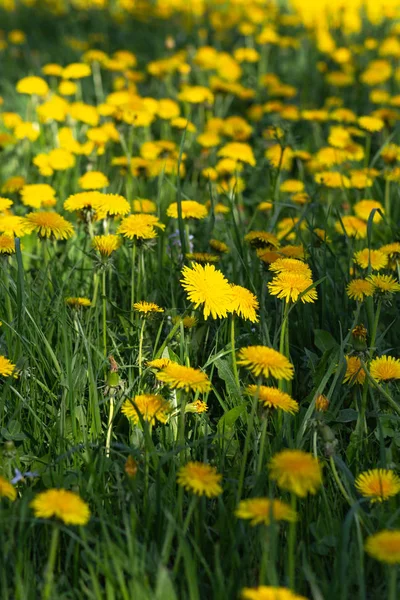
(104, 306)
(133, 274)
(387, 199)
(339, 481)
(375, 327)
(247, 442)
(233, 351)
(292, 544)
(181, 433)
(110, 423)
(141, 346)
(392, 583)
(283, 340)
(49, 574)
(262, 445)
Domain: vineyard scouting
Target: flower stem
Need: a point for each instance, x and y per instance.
(392, 586)
(141, 346)
(49, 574)
(283, 342)
(110, 423)
(339, 481)
(233, 350)
(375, 327)
(262, 445)
(247, 441)
(292, 544)
(104, 306)
(133, 274)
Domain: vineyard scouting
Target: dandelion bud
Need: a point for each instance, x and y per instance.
(113, 379)
(131, 467)
(322, 403)
(359, 337)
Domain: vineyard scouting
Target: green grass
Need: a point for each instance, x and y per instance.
(140, 542)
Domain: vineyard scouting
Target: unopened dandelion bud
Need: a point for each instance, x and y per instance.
(131, 467)
(322, 403)
(113, 379)
(359, 337)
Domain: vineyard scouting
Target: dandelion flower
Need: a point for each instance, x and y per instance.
(354, 371)
(385, 368)
(140, 226)
(187, 378)
(262, 360)
(238, 151)
(200, 479)
(78, 302)
(93, 180)
(7, 368)
(202, 257)
(291, 265)
(83, 201)
(371, 124)
(190, 210)
(12, 225)
(7, 490)
(143, 205)
(290, 286)
(149, 406)
(378, 484)
(378, 259)
(364, 208)
(272, 397)
(32, 86)
(384, 546)
(219, 246)
(158, 363)
(244, 303)
(321, 403)
(49, 225)
(106, 244)
(112, 205)
(296, 471)
(7, 244)
(352, 226)
(62, 504)
(208, 286)
(384, 284)
(265, 592)
(146, 308)
(5, 204)
(262, 239)
(263, 511)
(359, 289)
(197, 407)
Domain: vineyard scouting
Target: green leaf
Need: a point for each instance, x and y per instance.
(347, 415)
(226, 374)
(164, 588)
(228, 420)
(324, 340)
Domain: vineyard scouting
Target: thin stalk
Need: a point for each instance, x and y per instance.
(104, 307)
(339, 482)
(292, 545)
(247, 442)
(375, 326)
(392, 584)
(49, 574)
(262, 445)
(282, 340)
(387, 199)
(133, 274)
(233, 350)
(140, 359)
(110, 423)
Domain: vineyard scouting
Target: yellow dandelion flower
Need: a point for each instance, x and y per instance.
(208, 286)
(106, 244)
(200, 479)
(378, 484)
(264, 511)
(13, 184)
(62, 504)
(353, 227)
(244, 303)
(186, 378)
(112, 205)
(296, 471)
(378, 259)
(7, 490)
(149, 406)
(93, 180)
(49, 225)
(292, 186)
(364, 208)
(385, 368)
(76, 71)
(158, 363)
(238, 151)
(291, 265)
(7, 244)
(37, 195)
(290, 285)
(146, 308)
(190, 210)
(384, 546)
(140, 226)
(262, 360)
(143, 205)
(359, 289)
(354, 371)
(12, 225)
(371, 124)
(78, 302)
(262, 239)
(202, 257)
(197, 407)
(33, 86)
(272, 397)
(5, 204)
(293, 251)
(384, 284)
(321, 403)
(219, 246)
(264, 592)
(83, 201)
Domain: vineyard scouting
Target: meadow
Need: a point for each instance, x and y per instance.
(199, 299)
